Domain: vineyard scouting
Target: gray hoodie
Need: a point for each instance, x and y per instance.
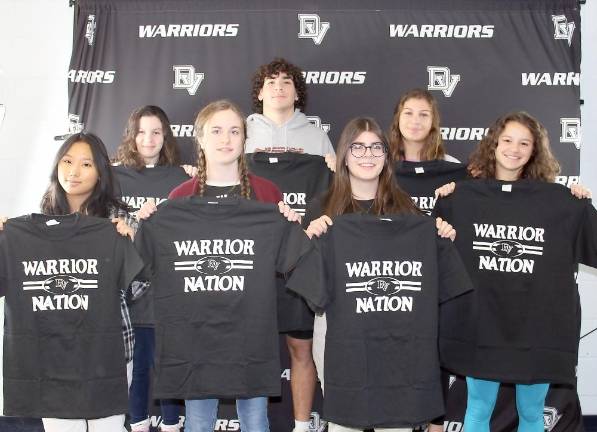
(296, 135)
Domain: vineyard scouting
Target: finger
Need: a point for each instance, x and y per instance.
(327, 220)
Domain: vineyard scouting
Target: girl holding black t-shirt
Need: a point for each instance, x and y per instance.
(364, 183)
(82, 181)
(513, 158)
(222, 172)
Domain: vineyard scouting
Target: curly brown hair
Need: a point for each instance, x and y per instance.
(202, 118)
(434, 146)
(542, 165)
(389, 199)
(127, 153)
(270, 70)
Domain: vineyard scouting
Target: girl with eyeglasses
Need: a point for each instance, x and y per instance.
(364, 183)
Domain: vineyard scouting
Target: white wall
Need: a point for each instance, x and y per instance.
(587, 364)
(35, 46)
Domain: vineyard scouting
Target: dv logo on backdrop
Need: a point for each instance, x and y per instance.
(570, 131)
(90, 29)
(74, 124)
(311, 27)
(316, 121)
(562, 28)
(440, 78)
(551, 417)
(316, 424)
(186, 78)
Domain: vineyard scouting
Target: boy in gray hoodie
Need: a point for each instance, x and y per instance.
(278, 125)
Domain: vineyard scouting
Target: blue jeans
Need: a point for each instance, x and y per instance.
(201, 414)
(481, 397)
(139, 391)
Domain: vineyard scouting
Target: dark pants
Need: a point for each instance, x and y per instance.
(139, 392)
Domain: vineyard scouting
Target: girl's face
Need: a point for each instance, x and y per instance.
(150, 139)
(369, 165)
(513, 151)
(415, 120)
(77, 173)
(223, 138)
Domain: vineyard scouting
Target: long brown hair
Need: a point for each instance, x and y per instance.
(542, 164)
(389, 197)
(127, 153)
(202, 118)
(434, 146)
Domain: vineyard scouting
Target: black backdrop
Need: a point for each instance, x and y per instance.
(481, 58)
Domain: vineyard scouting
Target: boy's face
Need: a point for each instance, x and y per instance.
(278, 92)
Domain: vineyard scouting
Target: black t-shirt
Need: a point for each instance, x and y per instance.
(135, 188)
(521, 243)
(300, 178)
(63, 351)
(380, 281)
(214, 264)
(421, 179)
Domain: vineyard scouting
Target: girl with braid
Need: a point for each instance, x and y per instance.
(222, 172)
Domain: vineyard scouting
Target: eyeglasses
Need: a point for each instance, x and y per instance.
(359, 150)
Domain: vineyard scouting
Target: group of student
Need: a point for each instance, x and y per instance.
(479, 336)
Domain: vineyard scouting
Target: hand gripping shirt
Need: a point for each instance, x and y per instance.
(521, 243)
(380, 281)
(421, 179)
(300, 178)
(63, 351)
(214, 263)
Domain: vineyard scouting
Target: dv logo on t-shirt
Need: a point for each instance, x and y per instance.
(62, 286)
(383, 285)
(507, 247)
(214, 263)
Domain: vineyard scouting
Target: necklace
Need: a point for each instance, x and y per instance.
(368, 209)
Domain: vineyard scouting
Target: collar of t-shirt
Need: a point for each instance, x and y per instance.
(427, 168)
(55, 226)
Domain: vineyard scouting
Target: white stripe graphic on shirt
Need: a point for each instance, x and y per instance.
(41, 285)
(522, 249)
(191, 265)
(402, 285)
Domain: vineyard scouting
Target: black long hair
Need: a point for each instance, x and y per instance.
(102, 201)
